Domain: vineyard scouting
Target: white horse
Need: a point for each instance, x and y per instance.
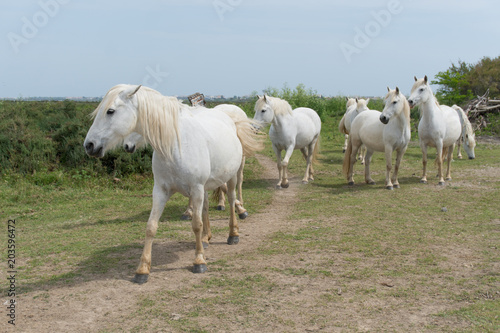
(352, 110)
(384, 131)
(192, 154)
(439, 127)
(135, 141)
(297, 129)
(468, 137)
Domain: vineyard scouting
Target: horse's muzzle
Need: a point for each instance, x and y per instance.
(384, 119)
(92, 150)
(129, 148)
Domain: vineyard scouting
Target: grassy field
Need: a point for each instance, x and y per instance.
(421, 258)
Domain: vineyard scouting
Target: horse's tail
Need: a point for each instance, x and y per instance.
(342, 127)
(252, 140)
(316, 152)
(347, 158)
(217, 194)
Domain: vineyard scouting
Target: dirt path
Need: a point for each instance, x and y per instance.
(106, 301)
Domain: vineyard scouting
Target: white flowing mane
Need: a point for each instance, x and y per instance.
(466, 125)
(157, 116)
(280, 106)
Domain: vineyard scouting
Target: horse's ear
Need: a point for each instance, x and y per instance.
(425, 79)
(347, 99)
(356, 99)
(397, 91)
(132, 93)
(415, 78)
(265, 98)
(367, 100)
(388, 89)
(259, 97)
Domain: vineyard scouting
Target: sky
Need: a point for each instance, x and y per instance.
(77, 48)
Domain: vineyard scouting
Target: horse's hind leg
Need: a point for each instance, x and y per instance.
(345, 143)
(198, 199)
(448, 168)
(221, 205)
(234, 236)
(160, 198)
(207, 234)
(459, 145)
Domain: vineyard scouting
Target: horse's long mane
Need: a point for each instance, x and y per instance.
(406, 106)
(464, 120)
(158, 119)
(280, 106)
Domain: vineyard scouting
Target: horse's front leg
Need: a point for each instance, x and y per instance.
(188, 214)
(388, 167)
(160, 198)
(198, 200)
(439, 159)
(399, 157)
(284, 165)
(448, 167)
(234, 236)
(423, 147)
(459, 145)
(368, 159)
(277, 152)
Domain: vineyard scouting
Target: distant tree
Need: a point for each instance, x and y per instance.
(463, 82)
(455, 87)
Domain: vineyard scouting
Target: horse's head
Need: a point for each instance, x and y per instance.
(114, 119)
(264, 112)
(350, 102)
(421, 92)
(361, 104)
(133, 141)
(394, 103)
(469, 144)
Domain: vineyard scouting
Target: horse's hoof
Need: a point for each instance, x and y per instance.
(343, 151)
(278, 187)
(389, 188)
(350, 183)
(141, 278)
(185, 217)
(371, 183)
(220, 207)
(441, 183)
(202, 268)
(396, 186)
(448, 178)
(285, 185)
(243, 216)
(205, 245)
(233, 240)
(305, 182)
(423, 181)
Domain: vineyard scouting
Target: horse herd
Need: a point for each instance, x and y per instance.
(197, 151)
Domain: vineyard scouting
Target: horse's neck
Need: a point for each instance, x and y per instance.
(430, 110)
(282, 121)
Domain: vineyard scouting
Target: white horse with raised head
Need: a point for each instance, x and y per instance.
(136, 141)
(352, 111)
(439, 127)
(290, 129)
(384, 131)
(192, 154)
(467, 137)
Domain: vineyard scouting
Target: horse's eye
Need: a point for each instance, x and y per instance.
(421, 89)
(110, 111)
(395, 102)
(263, 110)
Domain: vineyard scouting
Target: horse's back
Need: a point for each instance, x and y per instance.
(308, 125)
(367, 128)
